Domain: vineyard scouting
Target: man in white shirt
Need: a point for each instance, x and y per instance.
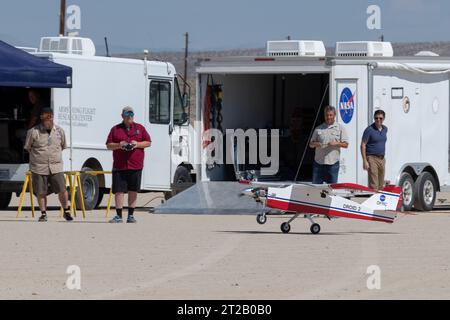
(328, 139)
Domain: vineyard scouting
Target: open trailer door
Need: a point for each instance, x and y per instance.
(349, 93)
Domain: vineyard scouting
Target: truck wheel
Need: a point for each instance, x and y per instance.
(5, 199)
(425, 190)
(91, 191)
(182, 175)
(407, 184)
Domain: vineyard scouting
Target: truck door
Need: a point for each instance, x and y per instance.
(157, 171)
(180, 136)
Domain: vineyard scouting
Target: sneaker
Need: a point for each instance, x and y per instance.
(68, 217)
(131, 219)
(43, 218)
(116, 219)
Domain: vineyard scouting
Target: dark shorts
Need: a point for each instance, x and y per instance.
(44, 185)
(126, 180)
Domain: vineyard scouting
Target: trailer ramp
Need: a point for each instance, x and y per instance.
(211, 198)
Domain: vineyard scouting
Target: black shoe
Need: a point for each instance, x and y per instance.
(131, 219)
(43, 218)
(68, 217)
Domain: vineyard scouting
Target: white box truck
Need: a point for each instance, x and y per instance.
(287, 91)
(102, 86)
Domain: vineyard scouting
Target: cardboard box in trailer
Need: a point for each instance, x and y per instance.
(102, 86)
(288, 89)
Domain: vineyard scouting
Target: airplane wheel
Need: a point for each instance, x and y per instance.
(261, 218)
(285, 227)
(315, 228)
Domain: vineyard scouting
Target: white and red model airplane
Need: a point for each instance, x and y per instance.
(331, 201)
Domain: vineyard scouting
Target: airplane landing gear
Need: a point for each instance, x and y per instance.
(285, 227)
(261, 218)
(315, 228)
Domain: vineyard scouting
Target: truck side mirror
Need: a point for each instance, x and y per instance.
(185, 117)
(186, 101)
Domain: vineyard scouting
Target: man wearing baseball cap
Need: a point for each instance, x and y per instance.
(127, 140)
(45, 142)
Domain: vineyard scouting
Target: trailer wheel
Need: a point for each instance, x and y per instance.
(407, 184)
(425, 190)
(5, 199)
(91, 191)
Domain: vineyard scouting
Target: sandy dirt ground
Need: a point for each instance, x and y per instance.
(223, 257)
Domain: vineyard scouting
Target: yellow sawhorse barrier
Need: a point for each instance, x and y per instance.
(77, 183)
(28, 182)
(73, 181)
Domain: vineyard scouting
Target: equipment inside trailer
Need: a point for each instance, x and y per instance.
(15, 120)
(291, 103)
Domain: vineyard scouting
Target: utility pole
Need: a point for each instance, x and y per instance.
(62, 18)
(186, 55)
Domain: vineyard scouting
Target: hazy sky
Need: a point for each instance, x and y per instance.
(158, 25)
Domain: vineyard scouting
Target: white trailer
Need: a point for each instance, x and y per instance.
(102, 86)
(284, 91)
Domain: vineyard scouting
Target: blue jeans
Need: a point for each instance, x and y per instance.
(323, 173)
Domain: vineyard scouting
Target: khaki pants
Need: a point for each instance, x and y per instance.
(376, 172)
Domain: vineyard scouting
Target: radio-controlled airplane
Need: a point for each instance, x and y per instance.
(331, 201)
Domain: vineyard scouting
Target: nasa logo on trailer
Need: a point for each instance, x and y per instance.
(347, 105)
(382, 198)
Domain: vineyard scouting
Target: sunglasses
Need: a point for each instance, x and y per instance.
(128, 114)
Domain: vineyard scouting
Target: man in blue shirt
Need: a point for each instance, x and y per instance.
(373, 151)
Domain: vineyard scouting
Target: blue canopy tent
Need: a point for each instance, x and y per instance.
(21, 69)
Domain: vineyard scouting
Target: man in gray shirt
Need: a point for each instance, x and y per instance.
(328, 139)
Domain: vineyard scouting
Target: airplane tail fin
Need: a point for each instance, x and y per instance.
(388, 199)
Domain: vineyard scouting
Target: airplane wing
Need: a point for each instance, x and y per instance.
(261, 184)
(283, 184)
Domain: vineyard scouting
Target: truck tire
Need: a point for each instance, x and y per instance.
(407, 184)
(5, 199)
(425, 190)
(182, 175)
(91, 191)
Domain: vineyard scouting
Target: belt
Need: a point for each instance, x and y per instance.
(376, 156)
